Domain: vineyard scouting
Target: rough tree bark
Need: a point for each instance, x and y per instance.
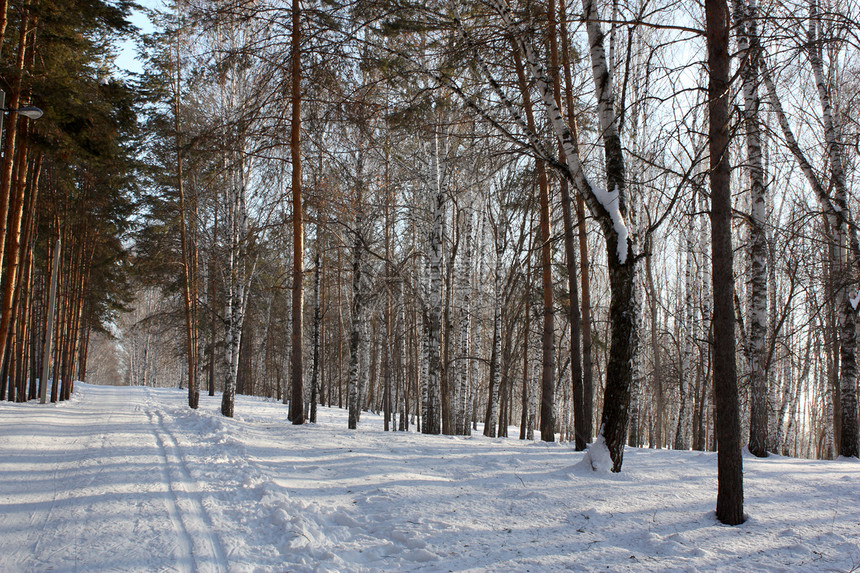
(685, 397)
(745, 18)
(464, 279)
(355, 342)
(496, 352)
(609, 208)
(315, 368)
(235, 287)
(189, 297)
(581, 432)
(846, 307)
(297, 410)
(432, 420)
(547, 401)
(729, 460)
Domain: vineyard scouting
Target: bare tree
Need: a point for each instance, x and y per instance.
(729, 461)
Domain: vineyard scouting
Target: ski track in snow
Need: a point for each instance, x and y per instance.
(130, 479)
(199, 549)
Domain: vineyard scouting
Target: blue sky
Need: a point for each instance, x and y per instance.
(127, 57)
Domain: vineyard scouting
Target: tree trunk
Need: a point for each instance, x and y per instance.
(188, 296)
(316, 343)
(355, 342)
(527, 429)
(746, 23)
(685, 398)
(213, 315)
(729, 460)
(496, 352)
(297, 415)
(431, 419)
(581, 433)
(846, 308)
(12, 102)
(387, 405)
(235, 287)
(13, 243)
(547, 406)
(465, 287)
(622, 310)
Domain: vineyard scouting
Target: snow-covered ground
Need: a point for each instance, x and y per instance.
(129, 479)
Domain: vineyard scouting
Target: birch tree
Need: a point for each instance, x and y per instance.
(846, 304)
(746, 23)
(431, 423)
(609, 208)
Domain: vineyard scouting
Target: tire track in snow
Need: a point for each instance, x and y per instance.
(200, 550)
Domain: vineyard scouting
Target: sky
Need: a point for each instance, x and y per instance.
(127, 59)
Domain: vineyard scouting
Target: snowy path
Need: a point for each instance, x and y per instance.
(200, 549)
(129, 479)
(99, 485)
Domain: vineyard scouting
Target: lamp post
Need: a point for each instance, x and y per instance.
(29, 111)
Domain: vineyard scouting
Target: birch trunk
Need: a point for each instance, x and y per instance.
(683, 429)
(622, 310)
(659, 405)
(775, 392)
(354, 383)
(496, 352)
(846, 308)
(465, 287)
(745, 18)
(477, 332)
(234, 313)
(609, 208)
(431, 423)
(402, 372)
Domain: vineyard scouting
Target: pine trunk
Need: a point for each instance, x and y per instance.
(729, 460)
(315, 368)
(297, 415)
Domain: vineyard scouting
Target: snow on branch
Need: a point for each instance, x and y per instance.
(609, 201)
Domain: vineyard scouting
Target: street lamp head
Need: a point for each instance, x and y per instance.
(29, 111)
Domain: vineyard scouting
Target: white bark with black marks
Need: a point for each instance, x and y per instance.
(745, 19)
(608, 207)
(464, 284)
(432, 420)
(846, 307)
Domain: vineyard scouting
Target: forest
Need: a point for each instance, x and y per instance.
(620, 222)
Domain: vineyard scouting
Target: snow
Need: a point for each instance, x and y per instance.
(855, 300)
(597, 457)
(130, 479)
(610, 202)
